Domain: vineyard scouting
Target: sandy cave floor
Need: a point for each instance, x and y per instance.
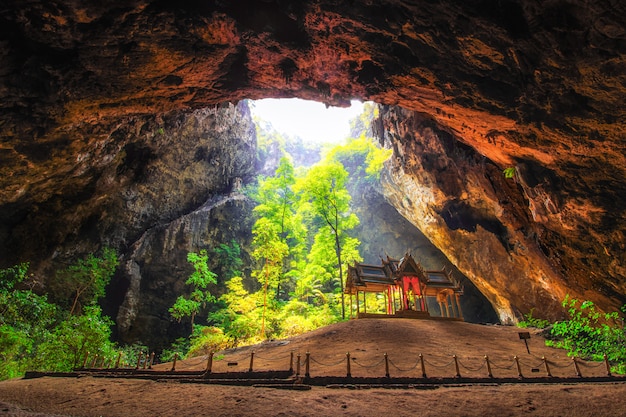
(367, 341)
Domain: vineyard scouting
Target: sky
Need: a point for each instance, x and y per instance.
(310, 120)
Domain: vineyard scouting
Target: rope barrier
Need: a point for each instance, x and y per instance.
(145, 361)
(506, 368)
(588, 364)
(473, 369)
(530, 366)
(439, 366)
(404, 370)
(556, 365)
(327, 364)
(256, 355)
(368, 366)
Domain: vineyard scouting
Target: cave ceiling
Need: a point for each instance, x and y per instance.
(536, 85)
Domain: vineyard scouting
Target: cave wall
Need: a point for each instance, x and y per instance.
(535, 85)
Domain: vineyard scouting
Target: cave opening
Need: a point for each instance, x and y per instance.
(311, 121)
(314, 125)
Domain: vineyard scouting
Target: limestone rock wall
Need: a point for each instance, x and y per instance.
(488, 225)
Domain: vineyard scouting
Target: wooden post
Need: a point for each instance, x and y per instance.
(578, 374)
(145, 361)
(608, 366)
(348, 373)
(85, 361)
(306, 365)
(386, 365)
(488, 367)
(139, 360)
(351, 306)
(456, 366)
(519, 368)
(365, 302)
(291, 362)
(545, 363)
(93, 363)
(117, 362)
(423, 366)
(174, 362)
(298, 365)
(209, 363)
(358, 308)
(251, 361)
(151, 360)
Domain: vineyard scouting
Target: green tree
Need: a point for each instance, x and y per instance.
(277, 204)
(324, 188)
(84, 282)
(240, 318)
(199, 280)
(25, 321)
(229, 259)
(271, 250)
(74, 338)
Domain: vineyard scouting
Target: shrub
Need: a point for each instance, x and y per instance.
(590, 334)
(530, 321)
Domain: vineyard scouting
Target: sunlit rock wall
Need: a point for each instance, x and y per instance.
(484, 223)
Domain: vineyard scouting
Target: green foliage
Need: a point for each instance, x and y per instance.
(179, 348)
(362, 157)
(83, 282)
(324, 194)
(25, 322)
(74, 338)
(199, 280)
(530, 321)
(206, 339)
(229, 259)
(130, 354)
(509, 172)
(590, 334)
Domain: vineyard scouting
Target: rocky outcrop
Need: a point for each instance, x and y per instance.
(528, 84)
(154, 271)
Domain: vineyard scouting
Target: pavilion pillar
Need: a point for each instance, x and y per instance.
(458, 304)
(358, 310)
(351, 306)
(365, 302)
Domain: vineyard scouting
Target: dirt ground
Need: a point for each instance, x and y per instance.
(367, 341)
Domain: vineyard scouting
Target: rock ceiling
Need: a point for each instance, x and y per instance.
(481, 85)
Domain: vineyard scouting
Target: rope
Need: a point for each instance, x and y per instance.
(369, 366)
(185, 365)
(473, 369)
(556, 365)
(495, 366)
(257, 356)
(439, 366)
(237, 359)
(536, 366)
(404, 370)
(311, 358)
(588, 364)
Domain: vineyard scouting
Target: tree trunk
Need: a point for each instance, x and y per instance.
(338, 249)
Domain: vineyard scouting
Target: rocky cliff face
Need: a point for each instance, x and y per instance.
(483, 85)
(154, 188)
